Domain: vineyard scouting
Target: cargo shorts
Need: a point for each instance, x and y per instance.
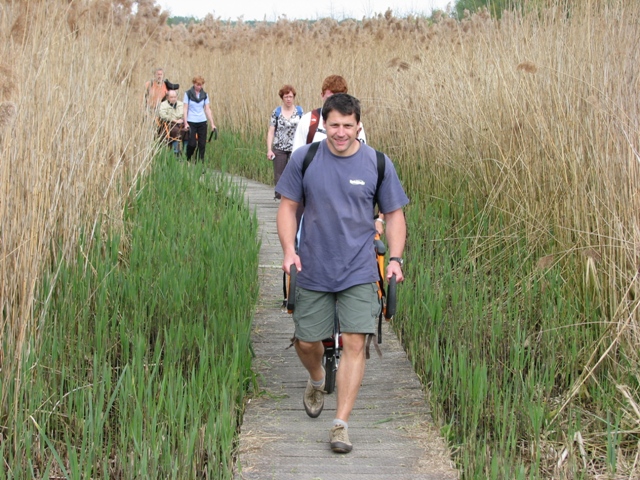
(357, 307)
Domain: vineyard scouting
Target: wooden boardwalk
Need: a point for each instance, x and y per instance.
(391, 430)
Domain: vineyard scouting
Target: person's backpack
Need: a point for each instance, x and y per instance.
(279, 111)
(311, 153)
(313, 124)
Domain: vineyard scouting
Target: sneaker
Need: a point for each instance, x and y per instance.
(313, 399)
(340, 440)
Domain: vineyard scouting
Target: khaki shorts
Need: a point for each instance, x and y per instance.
(358, 308)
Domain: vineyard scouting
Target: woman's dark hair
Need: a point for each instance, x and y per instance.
(286, 89)
(344, 103)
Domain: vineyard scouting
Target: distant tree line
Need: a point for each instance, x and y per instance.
(495, 8)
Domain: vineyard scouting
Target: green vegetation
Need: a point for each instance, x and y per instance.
(516, 138)
(500, 339)
(143, 359)
(177, 20)
(241, 154)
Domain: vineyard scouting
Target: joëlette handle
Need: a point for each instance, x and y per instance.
(291, 296)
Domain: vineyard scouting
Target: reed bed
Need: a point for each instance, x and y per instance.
(144, 356)
(108, 358)
(70, 151)
(516, 139)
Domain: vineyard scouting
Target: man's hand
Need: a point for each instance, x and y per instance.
(394, 268)
(291, 260)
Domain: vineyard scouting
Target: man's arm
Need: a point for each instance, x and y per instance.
(145, 95)
(179, 113)
(396, 234)
(287, 226)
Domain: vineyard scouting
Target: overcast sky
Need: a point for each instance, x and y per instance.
(296, 9)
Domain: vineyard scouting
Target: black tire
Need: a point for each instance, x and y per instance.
(390, 311)
(291, 297)
(330, 371)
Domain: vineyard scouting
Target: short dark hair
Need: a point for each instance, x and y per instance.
(342, 102)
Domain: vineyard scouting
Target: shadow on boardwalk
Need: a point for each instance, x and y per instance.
(391, 429)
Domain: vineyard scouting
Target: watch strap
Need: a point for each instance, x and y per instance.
(397, 259)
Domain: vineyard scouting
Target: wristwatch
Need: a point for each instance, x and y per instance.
(397, 259)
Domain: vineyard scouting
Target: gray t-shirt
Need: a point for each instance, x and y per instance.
(336, 238)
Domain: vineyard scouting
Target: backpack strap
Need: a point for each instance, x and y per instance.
(299, 110)
(309, 156)
(381, 167)
(313, 148)
(313, 124)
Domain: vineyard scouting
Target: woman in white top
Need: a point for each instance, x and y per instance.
(196, 114)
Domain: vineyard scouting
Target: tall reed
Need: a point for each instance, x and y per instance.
(144, 356)
(518, 138)
(72, 144)
(517, 141)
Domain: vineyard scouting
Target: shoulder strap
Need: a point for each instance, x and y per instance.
(299, 110)
(313, 148)
(381, 167)
(309, 156)
(313, 125)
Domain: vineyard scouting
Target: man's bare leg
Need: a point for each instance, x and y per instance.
(350, 373)
(310, 354)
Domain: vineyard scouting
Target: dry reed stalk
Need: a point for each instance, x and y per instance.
(68, 165)
(7, 114)
(8, 83)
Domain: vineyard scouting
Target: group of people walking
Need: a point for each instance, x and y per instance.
(332, 244)
(180, 125)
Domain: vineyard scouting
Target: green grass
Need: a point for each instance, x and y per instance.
(501, 343)
(144, 358)
(242, 155)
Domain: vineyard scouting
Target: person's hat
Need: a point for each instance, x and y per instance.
(171, 86)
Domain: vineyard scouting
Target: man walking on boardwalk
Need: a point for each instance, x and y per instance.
(335, 255)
